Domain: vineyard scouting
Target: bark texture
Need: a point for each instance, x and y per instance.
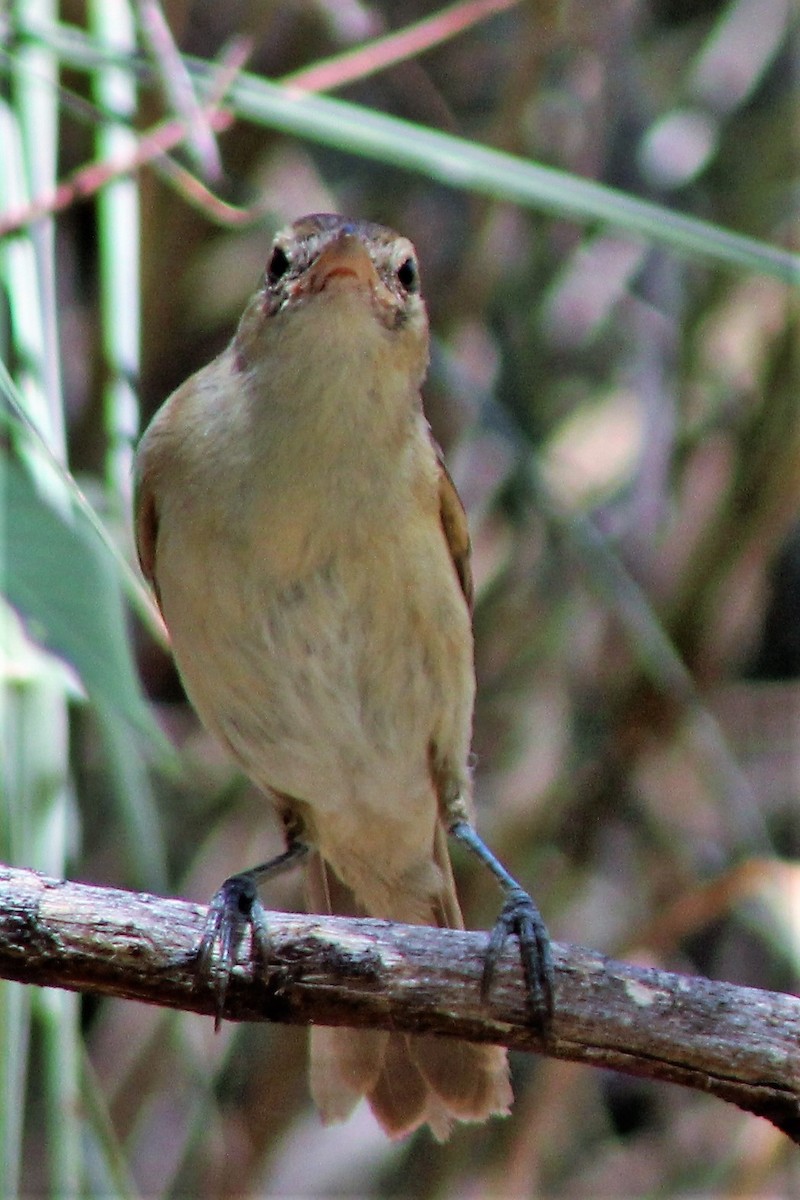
(740, 1044)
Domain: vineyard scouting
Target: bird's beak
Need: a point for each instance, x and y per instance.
(347, 260)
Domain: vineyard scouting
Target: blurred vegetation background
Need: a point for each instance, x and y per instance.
(617, 393)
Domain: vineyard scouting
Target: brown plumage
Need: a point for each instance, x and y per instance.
(311, 559)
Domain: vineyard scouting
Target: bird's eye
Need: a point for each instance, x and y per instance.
(278, 265)
(408, 275)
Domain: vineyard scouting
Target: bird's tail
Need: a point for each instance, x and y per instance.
(408, 1080)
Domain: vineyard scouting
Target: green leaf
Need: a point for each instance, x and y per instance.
(455, 162)
(60, 579)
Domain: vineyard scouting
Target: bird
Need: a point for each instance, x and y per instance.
(310, 556)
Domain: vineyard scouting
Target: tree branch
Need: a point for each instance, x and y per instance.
(737, 1043)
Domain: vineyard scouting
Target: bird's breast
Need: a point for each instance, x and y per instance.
(327, 666)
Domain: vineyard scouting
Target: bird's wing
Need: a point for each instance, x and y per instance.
(146, 530)
(456, 530)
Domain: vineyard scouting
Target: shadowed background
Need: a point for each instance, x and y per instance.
(622, 422)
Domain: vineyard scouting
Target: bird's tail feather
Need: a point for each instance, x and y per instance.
(408, 1080)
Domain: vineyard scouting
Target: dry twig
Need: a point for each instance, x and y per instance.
(737, 1043)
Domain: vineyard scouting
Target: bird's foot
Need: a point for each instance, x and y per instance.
(234, 909)
(520, 916)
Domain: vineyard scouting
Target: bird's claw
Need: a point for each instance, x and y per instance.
(520, 916)
(234, 909)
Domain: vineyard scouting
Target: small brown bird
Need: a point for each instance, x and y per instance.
(310, 556)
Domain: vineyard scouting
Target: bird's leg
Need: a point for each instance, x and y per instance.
(519, 916)
(234, 909)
